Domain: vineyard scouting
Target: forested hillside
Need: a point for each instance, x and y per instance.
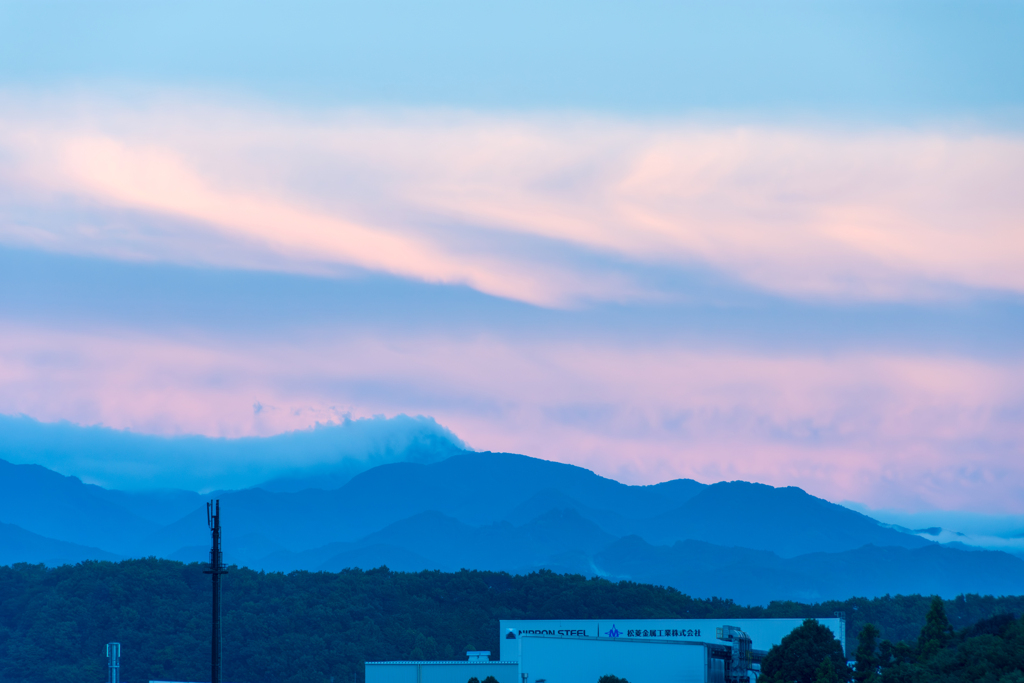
(311, 626)
(992, 650)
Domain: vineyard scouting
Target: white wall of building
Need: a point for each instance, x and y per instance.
(584, 660)
(764, 633)
(441, 672)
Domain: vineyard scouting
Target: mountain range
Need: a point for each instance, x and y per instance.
(749, 542)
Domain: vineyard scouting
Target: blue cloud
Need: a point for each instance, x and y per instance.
(704, 310)
(324, 456)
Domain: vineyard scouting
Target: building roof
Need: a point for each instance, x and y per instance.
(454, 661)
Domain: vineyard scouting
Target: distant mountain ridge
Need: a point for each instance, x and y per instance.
(434, 541)
(474, 488)
(509, 512)
(325, 455)
(750, 516)
(63, 508)
(18, 545)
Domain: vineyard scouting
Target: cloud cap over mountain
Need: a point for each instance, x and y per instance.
(325, 455)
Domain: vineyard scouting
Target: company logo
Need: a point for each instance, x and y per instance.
(664, 633)
(577, 632)
(613, 632)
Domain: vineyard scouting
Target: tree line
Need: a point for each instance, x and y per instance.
(989, 651)
(311, 626)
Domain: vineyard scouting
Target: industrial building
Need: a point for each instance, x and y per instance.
(639, 650)
(442, 671)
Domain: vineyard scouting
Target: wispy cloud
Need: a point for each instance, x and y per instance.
(884, 429)
(324, 455)
(553, 210)
(557, 210)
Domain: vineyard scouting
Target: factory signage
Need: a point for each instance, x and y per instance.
(613, 632)
(578, 632)
(610, 633)
(764, 633)
(663, 633)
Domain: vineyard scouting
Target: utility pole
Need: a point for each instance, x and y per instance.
(113, 662)
(216, 569)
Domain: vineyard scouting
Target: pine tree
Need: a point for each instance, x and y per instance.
(826, 672)
(868, 660)
(937, 631)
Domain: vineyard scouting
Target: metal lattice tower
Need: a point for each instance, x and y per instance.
(216, 569)
(113, 662)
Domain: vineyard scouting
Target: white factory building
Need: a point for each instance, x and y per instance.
(639, 650)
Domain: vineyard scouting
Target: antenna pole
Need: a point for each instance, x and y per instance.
(113, 662)
(216, 569)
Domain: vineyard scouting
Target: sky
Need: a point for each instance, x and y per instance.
(779, 242)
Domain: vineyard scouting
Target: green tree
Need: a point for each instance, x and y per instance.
(473, 679)
(897, 662)
(936, 633)
(611, 679)
(868, 660)
(54, 622)
(989, 652)
(490, 679)
(826, 672)
(801, 654)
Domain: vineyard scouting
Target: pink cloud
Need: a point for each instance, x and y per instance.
(887, 430)
(849, 214)
(533, 208)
